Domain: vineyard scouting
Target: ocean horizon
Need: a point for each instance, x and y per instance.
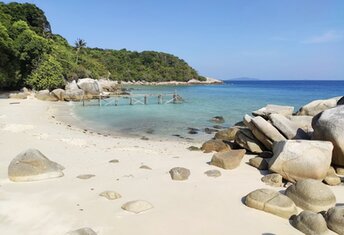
(231, 100)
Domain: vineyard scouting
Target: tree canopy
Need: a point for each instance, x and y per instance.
(31, 55)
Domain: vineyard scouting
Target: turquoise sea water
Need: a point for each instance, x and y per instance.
(231, 100)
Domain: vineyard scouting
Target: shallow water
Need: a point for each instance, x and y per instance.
(231, 100)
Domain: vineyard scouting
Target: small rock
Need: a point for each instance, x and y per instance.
(144, 138)
(82, 231)
(227, 134)
(194, 148)
(214, 145)
(311, 195)
(210, 130)
(85, 177)
(272, 202)
(266, 154)
(228, 160)
(218, 119)
(145, 167)
(335, 219)
(193, 131)
(179, 173)
(213, 173)
(331, 177)
(259, 163)
(274, 180)
(340, 170)
(137, 206)
(310, 223)
(114, 161)
(110, 195)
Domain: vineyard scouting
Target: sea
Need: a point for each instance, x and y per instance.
(231, 100)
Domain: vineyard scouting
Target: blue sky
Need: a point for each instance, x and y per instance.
(266, 39)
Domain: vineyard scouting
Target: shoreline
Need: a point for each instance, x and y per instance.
(59, 205)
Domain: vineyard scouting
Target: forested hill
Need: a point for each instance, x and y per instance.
(31, 55)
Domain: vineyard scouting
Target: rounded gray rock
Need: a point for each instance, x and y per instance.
(179, 173)
(335, 219)
(310, 223)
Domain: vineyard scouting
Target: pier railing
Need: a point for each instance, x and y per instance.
(114, 99)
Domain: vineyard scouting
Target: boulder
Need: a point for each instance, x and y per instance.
(137, 206)
(267, 129)
(340, 101)
(259, 163)
(228, 160)
(227, 134)
(271, 108)
(108, 85)
(73, 92)
(89, 86)
(82, 231)
(214, 145)
(274, 180)
(179, 173)
(317, 106)
(213, 173)
(331, 177)
(303, 122)
(289, 129)
(246, 140)
(46, 96)
(59, 93)
(310, 223)
(329, 125)
(272, 202)
(340, 170)
(32, 165)
(110, 195)
(19, 95)
(311, 195)
(301, 159)
(335, 219)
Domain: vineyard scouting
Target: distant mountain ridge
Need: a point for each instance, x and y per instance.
(243, 79)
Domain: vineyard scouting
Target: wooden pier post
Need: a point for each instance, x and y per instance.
(100, 100)
(116, 102)
(131, 101)
(145, 100)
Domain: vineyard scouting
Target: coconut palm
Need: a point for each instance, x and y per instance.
(79, 45)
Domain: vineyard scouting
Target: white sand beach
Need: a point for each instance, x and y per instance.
(201, 205)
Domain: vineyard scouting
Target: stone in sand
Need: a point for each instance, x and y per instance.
(289, 129)
(331, 177)
(82, 231)
(259, 163)
(311, 195)
(114, 161)
(145, 167)
(194, 148)
(110, 195)
(271, 109)
(32, 165)
(274, 180)
(335, 219)
(272, 202)
(329, 125)
(228, 160)
(317, 106)
(213, 173)
(179, 173)
(85, 177)
(137, 206)
(227, 134)
(214, 145)
(310, 223)
(301, 159)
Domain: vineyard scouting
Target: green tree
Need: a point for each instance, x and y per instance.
(48, 75)
(80, 44)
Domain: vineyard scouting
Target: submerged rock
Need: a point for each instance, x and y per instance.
(32, 165)
(228, 160)
(272, 202)
(217, 119)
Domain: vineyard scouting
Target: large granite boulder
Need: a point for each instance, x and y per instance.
(245, 138)
(272, 202)
(32, 165)
(89, 86)
(303, 122)
(82, 231)
(271, 108)
(227, 134)
(73, 92)
(335, 219)
(289, 129)
(108, 85)
(259, 135)
(310, 223)
(317, 106)
(19, 95)
(214, 145)
(329, 125)
(46, 96)
(301, 159)
(228, 160)
(311, 195)
(59, 93)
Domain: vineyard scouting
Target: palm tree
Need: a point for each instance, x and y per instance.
(79, 45)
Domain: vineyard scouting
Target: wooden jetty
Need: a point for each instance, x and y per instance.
(114, 99)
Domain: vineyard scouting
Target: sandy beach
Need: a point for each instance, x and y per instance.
(199, 205)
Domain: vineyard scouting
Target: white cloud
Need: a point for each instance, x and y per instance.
(329, 36)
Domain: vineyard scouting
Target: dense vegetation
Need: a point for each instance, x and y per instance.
(31, 55)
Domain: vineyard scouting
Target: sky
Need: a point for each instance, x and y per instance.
(224, 39)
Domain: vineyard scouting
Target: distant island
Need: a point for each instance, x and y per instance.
(243, 79)
(33, 56)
